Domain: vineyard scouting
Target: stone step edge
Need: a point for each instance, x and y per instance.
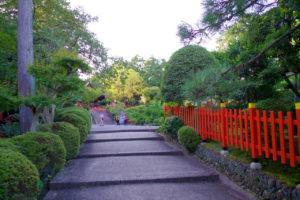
(123, 139)
(119, 131)
(66, 185)
(164, 153)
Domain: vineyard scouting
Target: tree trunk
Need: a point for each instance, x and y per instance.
(48, 116)
(35, 121)
(25, 59)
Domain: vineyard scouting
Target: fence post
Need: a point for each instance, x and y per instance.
(297, 106)
(253, 128)
(224, 150)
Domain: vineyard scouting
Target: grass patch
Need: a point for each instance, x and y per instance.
(283, 172)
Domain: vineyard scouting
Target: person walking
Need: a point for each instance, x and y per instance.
(101, 119)
(118, 119)
(126, 120)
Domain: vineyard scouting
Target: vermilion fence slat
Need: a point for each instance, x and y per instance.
(282, 139)
(273, 135)
(291, 140)
(236, 129)
(241, 129)
(215, 126)
(227, 126)
(253, 130)
(259, 140)
(298, 125)
(246, 130)
(266, 134)
(223, 128)
(218, 125)
(231, 126)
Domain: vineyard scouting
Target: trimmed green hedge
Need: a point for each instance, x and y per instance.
(68, 133)
(19, 178)
(76, 121)
(188, 137)
(78, 111)
(172, 125)
(45, 150)
(7, 144)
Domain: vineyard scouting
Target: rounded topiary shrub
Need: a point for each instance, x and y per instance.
(188, 138)
(76, 121)
(172, 125)
(19, 178)
(79, 112)
(7, 144)
(68, 133)
(45, 150)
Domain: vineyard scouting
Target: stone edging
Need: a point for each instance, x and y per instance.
(264, 186)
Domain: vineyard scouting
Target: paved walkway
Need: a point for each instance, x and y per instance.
(134, 163)
(108, 118)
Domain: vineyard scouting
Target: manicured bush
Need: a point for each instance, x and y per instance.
(188, 138)
(45, 150)
(81, 112)
(68, 133)
(19, 178)
(76, 121)
(284, 102)
(172, 125)
(7, 144)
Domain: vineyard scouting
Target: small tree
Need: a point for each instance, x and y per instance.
(54, 83)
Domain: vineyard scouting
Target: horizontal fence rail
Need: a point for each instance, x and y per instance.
(269, 134)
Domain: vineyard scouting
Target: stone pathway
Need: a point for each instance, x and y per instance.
(108, 118)
(134, 163)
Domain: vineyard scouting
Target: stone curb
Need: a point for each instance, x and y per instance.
(208, 177)
(123, 139)
(119, 131)
(179, 153)
(263, 185)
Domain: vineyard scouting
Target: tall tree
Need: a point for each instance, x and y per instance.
(26, 85)
(221, 14)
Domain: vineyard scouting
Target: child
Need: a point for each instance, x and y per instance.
(101, 119)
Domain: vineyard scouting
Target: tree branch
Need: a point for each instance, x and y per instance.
(291, 86)
(243, 65)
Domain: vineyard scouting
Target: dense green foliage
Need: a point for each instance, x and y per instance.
(182, 65)
(188, 137)
(19, 178)
(76, 121)
(45, 150)
(259, 50)
(68, 133)
(151, 94)
(81, 112)
(116, 109)
(8, 144)
(149, 114)
(172, 125)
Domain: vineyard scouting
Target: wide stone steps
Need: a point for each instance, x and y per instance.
(134, 163)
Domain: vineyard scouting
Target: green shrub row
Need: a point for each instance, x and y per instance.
(149, 114)
(29, 159)
(187, 136)
(78, 117)
(68, 133)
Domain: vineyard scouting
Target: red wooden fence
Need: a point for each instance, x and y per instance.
(263, 134)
